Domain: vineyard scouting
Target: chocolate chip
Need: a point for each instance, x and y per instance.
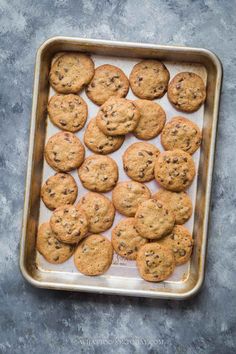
(141, 174)
(76, 125)
(60, 76)
(62, 122)
(121, 245)
(150, 263)
(182, 253)
(149, 253)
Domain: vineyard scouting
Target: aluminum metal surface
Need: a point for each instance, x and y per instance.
(122, 278)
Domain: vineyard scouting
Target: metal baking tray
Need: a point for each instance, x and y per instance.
(122, 278)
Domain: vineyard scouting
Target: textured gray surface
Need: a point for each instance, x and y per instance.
(41, 321)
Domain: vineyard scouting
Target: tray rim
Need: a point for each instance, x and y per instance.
(119, 291)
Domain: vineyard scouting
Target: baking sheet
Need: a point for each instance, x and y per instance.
(120, 267)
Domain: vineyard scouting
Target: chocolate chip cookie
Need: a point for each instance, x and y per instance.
(98, 173)
(93, 255)
(155, 262)
(181, 133)
(139, 160)
(58, 190)
(187, 92)
(178, 203)
(100, 143)
(69, 224)
(127, 196)
(99, 210)
(118, 116)
(68, 112)
(50, 247)
(64, 152)
(180, 241)
(174, 170)
(71, 72)
(108, 81)
(152, 119)
(126, 240)
(153, 220)
(149, 79)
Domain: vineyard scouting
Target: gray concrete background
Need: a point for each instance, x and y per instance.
(41, 321)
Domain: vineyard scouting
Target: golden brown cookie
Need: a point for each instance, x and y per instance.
(108, 81)
(98, 173)
(117, 116)
(50, 247)
(139, 160)
(93, 255)
(179, 203)
(100, 143)
(58, 190)
(99, 210)
(126, 240)
(68, 112)
(153, 220)
(152, 119)
(64, 152)
(69, 224)
(127, 196)
(187, 92)
(180, 241)
(155, 262)
(71, 72)
(149, 79)
(174, 170)
(181, 133)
